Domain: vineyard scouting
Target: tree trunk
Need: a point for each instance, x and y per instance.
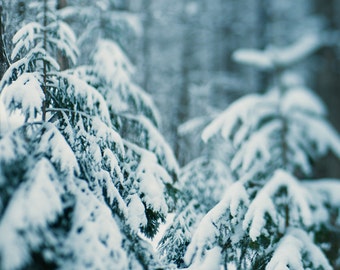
(4, 64)
(184, 96)
(262, 40)
(62, 59)
(147, 24)
(44, 105)
(326, 84)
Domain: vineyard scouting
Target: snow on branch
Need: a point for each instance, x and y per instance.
(204, 179)
(300, 98)
(147, 179)
(115, 68)
(26, 94)
(300, 208)
(150, 138)
(228, 121)
(95, 238)
(206, 234)
(275, 57)
(325, 139)
(29, 63)
(210, 261)
(256, 148)
(84, 97)
(34, 205)
(110, 59)
(295, 245)
(25, 37)
(54, 143)
(327, 189)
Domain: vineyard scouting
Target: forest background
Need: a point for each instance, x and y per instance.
(184, 58)
(183, 53)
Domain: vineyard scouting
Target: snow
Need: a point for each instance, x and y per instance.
(257, 146)
(113, 65)
(111, 162)
(204, 236)
(235, 195)
(11, 147)
(207, 231)
(4, 125)
(25, 37)
(156, 143)
(297, 155)
(24, 65)
(193, 125)
(111, 61)
(287, 255)
(319, 132)
(205, 179)
(150, 186)
(327, 188)
(24, 93)
(227, 121)
(302, 48)
(295, 244)
(95, 238)
(253, 57)
(275, 57)
(299, 203)
(133, 20)
(144, 103)
(211, 261)
(136, 213)
(113, 195)
(41, 193)
(61, 153)
(255, 216)
(68, 48)
(151, 178)
(301, 98)
(66, 33)
(87, 97)
(105, 133)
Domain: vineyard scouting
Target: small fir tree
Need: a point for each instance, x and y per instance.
(269, 219)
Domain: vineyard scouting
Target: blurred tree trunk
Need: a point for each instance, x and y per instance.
(62, 59)
(262, 40)
(21, 10)
(147, 25)
(184, 95)
(326, 84)
(3, 56)
(61, 4)
(326, 78)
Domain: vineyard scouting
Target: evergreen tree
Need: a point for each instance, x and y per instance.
(269, 219)
(200, 186)
(74, 193)
(132, 111)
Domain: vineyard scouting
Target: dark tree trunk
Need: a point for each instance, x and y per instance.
(62, 59)
(147, 24)
(4, 64)
(326, 84)
(262, 40)
(184, 96)
(326, 81)
(61, 4)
